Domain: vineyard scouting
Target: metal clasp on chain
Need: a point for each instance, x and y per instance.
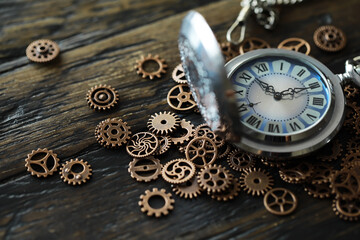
(239, 23)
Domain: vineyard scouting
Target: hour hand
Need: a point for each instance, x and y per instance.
(265, 86)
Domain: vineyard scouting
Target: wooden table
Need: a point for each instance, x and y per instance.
(43, 105)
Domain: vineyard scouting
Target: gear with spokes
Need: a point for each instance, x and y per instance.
(158, 212)
(42, 162)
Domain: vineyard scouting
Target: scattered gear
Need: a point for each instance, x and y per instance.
(329, 38)
(202, 151)
(178, 74)
(178, 171)
(189, 128)
(228, 51)
(345, 184)
(102, 97)
(42, 162)
(253, 43)
(331, 152)
(296, 44)
(353, 156)
(357, 125)
(142, 144)
(224, 151)
(348, 210)
(351, 91)
(214, 178)
(112, 132)
(230, 193)
(280, 201)
(163, 122)
(240, 161)
(352, 114)
(145, 60)
(318, 190)
(256, 181)
(353, 144)
(163, 210)
(203, 130)
(321, 173)
(145, 169)
(75, 172)
(164, 145)
(272, 162)
(296, 173)
(42, 50)
(180, 98)
(189, 189)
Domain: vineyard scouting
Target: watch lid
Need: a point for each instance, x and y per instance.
(203, 64)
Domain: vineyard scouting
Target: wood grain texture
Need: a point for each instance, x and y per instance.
(100, 41)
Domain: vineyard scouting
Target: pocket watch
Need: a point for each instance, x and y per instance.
(270, 102)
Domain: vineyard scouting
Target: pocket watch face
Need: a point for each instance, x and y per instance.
(280, 96)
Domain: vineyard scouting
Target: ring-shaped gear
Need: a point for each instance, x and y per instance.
(112, 132)
(178, 171)
(228, 194)
(158, 212)
(228, 51)
(321, 173)
(240, 161)
(142, 144)
(149, 58)
(280, 201)
(164, 145)
(253, 43)
(203, 130)
(41, 159)
(75, 177)
(348, 210)
(190, 189)
(224, 151)
(318, 190)
(296, 44)
(353, 156)
(256, 181)
(331, 152)
(178, 74)
(102, 97)
(145, 169)
(214, 178)
(202, 151)
(296, 173)
(42, 50)
(188, 127)
(180, 98)
(345, 184)
(329, 38)
(163, 122)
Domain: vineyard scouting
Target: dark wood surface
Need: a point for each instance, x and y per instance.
(43, 105)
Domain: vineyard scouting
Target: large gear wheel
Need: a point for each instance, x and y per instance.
(214, 178)
(42, 50)
(147, 74)
(102, 97)
(163, 210)
(163, 122)
(348, 210)
(240, 161)
(145, 169)
(190, 189)
(42, 162)
(178, 171)
(256, 181)
(228, 194)
(112, 132)
(71, 175)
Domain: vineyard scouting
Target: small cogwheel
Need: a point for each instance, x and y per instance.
(158, 211)
(351, 91)
(112, 132)
(331, 152)
(189, 189)
(240, 161)
(353, 144)
(202, 151)
(178, 171)
(329, 38)
(145, 169)
(214, 178)
(350, 157)
(140, 67)
(253, 43)
(318, 190)
(163, 122)
(352, 114)
(256, 181)
(42, 50)
(142, 144)
(178, 74)
(230, 193)
(296, 44)
(345, 184)
(180, 98)
(296, 173)
(203, 130)
(228, 51)
(224, 151)
(42, 162)
(188, 128)
(102, 97)
(164, 145)
(348, 210)
(75, 172)
(280, 201)
(321, 173)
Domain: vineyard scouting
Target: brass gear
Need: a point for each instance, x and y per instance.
(178, 74)
(42, 50)
(253, 43)
(164, 210)
(189, 128)
(345, 184)
(164, 145)
(352, 114)
(178, 171)
(296, 173)
(230, 193)
(70, 176)
(280, 201)
(353, 156)
(145, 169)
(353, 144)
(203, 130)
(180, 98)
(112, 132)
(214, 178)
(102, 97)
(224, 151)
(142, 144)
(296, 44)
(329, 38)
(190, 189)
(256, 181)
(228, 51)
(318, 190)
(271, 162)
(321, 173)
(351, 91)
(163, 122)
(348, 210)
(240, 161)
(202, 151)
(38, 162)
(331, 152)
(357, 125)
(151, 75)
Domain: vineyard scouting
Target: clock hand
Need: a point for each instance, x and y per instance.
(268, 88)
(292, 91)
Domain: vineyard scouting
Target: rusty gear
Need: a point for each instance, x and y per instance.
(331, 152)
(145, 169)
(214, 178)
(42, 162)
(163, 122)
(180, 98)
(296, 44)
(256, 181)
(321, 173)
(280, 201)
(240, 161)
(318, 190)
(189, 189)
(189, 128)
(345, 184)
(112, 132)
(224, 151)
(72, 176)
(42, 50)
(142, 144)
(178, 171)
(164, 210)
(178, 74)
(348, 210)
(151, 75)
(296, 173)
(329, 38)
(202, 151)
(253, 43)
(203, 130)
(351, 91)
(230, 193)
(102, 97)
(228, 51)
(164, 145)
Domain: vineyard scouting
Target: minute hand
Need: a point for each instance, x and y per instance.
(292, 91)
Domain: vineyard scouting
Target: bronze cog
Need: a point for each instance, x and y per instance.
(42, 162)
(240, 161)
(253, 43)
(203, 130)
(190, 189)
(202, 151)
(353, 144)
(331, 152)
(156, 73)
(321, 173)
(280, 201)
(296, 173)
(158, 212)
(142, 144)
(348, 210)
(224, 151)
(180, 98)
(351, 91)
(145, 169)
(72, 176)
(189, 128)
(178, 171)
(112, 132)
(318, 190)
(164, 145)
(296, 44)
(350, 157)
(329, 38)
(214, 178)
(178, 74)
(42, 50)
(163, 122)
(102, 97)
(228, 51)
(345, 184)
(256, 181)
(228, 194)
